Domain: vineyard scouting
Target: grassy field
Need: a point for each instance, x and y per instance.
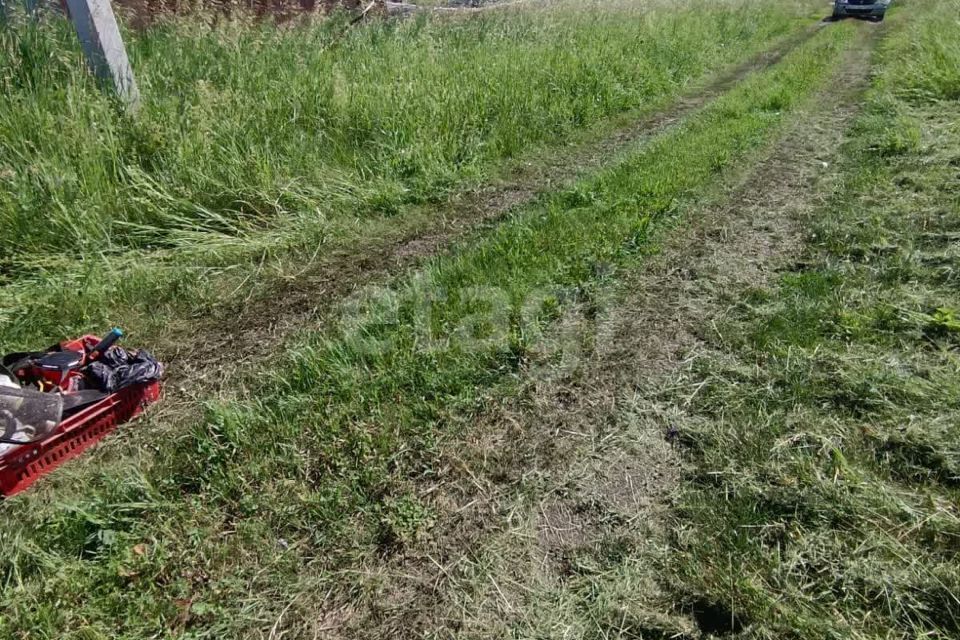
(321, 455)
(818, 496)
(257, 142)
(827, 461)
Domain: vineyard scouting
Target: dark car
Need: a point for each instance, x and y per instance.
(873, 9)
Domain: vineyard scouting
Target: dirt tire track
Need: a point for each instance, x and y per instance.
(238, 339)
(540, 481)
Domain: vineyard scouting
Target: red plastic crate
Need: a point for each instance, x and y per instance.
(21, 467)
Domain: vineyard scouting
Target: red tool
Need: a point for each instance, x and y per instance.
(60, 368)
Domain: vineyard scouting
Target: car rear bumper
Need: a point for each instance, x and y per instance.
(860, 9)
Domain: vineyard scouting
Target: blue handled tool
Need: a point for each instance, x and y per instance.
(108, 341)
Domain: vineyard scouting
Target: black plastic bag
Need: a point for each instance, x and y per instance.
(118, 368)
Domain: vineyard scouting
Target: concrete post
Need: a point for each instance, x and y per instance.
(100, 38)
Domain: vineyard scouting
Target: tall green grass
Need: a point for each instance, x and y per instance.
(930, 64)
(247, 126)
(259, 148)
(287, 495)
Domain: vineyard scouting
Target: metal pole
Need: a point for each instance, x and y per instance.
(103, 46)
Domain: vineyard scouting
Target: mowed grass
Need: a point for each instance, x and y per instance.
(824, 500)
(255, 141)
(263, 515)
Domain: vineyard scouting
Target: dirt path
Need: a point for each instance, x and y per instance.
(555, 510)
(208, 351)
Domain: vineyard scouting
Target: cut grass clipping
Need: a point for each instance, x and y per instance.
(281, 496)
(825, 498)
(255, 141)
